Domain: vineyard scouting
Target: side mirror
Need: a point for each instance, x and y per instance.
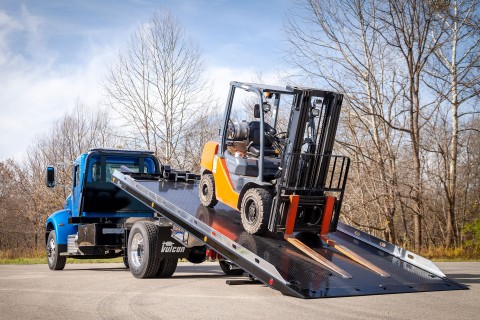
(50, 177)
(256, 111)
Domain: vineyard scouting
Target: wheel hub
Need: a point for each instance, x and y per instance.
(51, 250)
(205, 190)
(252, 212)
(137, 250)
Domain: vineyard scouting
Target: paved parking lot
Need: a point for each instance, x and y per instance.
(109, 291)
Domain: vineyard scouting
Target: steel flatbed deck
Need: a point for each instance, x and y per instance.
(277, 263)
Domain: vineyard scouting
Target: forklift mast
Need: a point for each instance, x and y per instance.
(309, 169)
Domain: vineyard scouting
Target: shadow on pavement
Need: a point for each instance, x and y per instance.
(95, 269)
(465, 278)
(196, 271)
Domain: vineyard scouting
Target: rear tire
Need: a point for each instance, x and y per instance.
(55, 260)
(142, 249)
(206, 190)
(255, 210)
(167, 268)
(227, 268)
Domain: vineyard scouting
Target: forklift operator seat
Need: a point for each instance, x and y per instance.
(254, 139)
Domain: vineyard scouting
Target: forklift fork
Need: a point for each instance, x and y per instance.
(325, 226)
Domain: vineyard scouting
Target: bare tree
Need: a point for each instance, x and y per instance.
(409, 24)
(384, 56)
(25, 201)
(156, 85)
(205, 128)
(454, 75)
(341, 43)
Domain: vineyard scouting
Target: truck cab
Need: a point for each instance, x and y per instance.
(92, 222)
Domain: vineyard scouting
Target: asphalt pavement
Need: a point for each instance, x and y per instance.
(109, 291)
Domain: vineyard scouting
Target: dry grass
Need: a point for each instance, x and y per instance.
(38, 256)
(451, 254)
(25, 253)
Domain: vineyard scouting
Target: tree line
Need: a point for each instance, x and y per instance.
(409, 72)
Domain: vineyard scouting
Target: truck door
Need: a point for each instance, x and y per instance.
(77, 190)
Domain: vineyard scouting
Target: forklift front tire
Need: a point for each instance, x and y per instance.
(206, 190)
(255, 210)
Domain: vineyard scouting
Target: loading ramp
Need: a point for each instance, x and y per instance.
(277, 263)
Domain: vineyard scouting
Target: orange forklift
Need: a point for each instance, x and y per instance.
(277, 167)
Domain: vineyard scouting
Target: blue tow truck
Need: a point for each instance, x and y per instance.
(99, 219)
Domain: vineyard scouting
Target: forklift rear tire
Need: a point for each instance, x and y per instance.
(230, 269)
(255, 210)
(206, 190)
(142, 250)
(167, 268)
(55, 260)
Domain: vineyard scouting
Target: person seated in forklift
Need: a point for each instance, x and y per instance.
(243, 138)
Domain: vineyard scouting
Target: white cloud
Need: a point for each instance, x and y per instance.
(7, 26)
(35, 89)
(47, 63)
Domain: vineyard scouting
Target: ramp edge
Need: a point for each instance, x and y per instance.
(398, 252)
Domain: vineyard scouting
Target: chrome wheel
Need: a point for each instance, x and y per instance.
(137, 250)
(142, 250)
(51, 251)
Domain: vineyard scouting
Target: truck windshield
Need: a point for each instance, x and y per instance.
(102, 168)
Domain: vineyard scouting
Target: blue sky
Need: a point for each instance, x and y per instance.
(53, 53)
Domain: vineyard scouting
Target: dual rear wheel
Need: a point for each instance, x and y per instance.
(142, 257)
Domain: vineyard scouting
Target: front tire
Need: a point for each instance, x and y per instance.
(142, 248)
(55, 261)
(206, 190)
(255, 210)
